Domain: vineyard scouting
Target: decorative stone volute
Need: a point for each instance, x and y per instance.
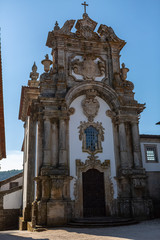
(46, 62)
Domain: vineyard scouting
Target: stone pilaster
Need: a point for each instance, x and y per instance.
(63, 142)
(39, 146)
(54, 143)
(47, 140)
(45, 188)
(123, 145)
(136, 145)
(115, 60)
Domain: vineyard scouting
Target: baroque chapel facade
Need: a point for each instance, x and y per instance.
(81, 146)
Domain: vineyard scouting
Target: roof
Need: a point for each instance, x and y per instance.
(2, 130)
(149, 136)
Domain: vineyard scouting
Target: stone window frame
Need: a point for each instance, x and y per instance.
(154, 147)
(82, 136)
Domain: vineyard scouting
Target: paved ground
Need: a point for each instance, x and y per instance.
(147, 230)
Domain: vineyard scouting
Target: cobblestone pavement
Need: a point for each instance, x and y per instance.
(147, 230)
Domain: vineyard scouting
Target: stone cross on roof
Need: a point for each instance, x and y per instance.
(85, 5)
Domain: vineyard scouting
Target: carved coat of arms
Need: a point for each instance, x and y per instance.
(90, 105)
(90, 67)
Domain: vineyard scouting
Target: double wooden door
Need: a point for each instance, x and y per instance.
(93, 194)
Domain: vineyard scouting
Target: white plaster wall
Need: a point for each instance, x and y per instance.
(7, 187)
(150, 167)
(12, 200)
(76, 145)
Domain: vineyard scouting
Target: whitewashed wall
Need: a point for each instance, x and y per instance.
(150, 167)
(76, 145)
(12, 200)
(7, 185)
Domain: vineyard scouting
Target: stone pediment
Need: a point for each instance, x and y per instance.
(108, 34)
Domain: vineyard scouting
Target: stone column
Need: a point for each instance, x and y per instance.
(54, 142)
(123, 145)
(62, 142)
(47, 140)
(136, 145)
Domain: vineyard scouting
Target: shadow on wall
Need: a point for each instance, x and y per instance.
(9, 236)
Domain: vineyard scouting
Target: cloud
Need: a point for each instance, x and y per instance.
(14, 160)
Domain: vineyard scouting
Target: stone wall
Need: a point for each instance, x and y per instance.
(9, 217)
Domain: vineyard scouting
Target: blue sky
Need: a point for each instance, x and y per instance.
(24, 28)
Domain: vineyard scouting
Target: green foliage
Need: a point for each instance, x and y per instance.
(7, 174)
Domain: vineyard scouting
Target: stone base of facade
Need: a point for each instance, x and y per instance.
(53, 213)
(22, 224)
(136, 208)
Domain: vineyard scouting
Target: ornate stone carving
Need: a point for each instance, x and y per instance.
(34, 76)
(71, 111)
(92, 162)
(107, 33)
(85, 28)
(82, 136)
(111, 114)
(90, 105)
(139, 182)
(89, 67)
(124, 71)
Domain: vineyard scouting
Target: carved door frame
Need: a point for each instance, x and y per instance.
(82, 167)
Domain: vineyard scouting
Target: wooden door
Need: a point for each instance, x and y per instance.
(93, 194)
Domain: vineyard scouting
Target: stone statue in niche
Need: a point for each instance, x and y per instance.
(90, 105)
(89, 67)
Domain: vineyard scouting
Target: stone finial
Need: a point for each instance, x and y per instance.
(34, 74)
(56, 27)
(124, 71)
(46, 62)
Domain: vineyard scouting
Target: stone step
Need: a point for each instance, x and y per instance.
(36, 229)
(101, 222)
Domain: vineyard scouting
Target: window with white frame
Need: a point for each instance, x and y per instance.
(151, 153)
